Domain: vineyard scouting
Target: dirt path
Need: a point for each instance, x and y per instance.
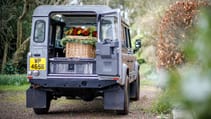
(12, 106)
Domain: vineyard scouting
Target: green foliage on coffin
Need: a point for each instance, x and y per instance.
(79, 39)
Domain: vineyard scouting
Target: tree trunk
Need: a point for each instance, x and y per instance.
(19, 33)
(19, 53)
(6, 46)
(19, 24)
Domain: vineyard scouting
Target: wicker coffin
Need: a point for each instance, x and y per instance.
(78, 50)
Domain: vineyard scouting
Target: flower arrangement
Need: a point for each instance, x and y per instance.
(78, 31)
(80, 35)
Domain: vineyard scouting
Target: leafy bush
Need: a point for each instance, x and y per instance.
(16, 80)
(9, 68)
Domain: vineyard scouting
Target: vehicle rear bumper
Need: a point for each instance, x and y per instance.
(73, 83)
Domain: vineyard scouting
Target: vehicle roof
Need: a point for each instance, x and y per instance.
(45, 10)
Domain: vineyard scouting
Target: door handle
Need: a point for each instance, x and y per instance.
(37, 55)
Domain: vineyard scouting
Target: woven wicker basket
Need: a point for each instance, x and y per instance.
(78, 50)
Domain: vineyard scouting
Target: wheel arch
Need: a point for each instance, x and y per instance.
(137, 66)
(125, 72)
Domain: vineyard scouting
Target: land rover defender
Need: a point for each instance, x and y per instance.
(107, 68)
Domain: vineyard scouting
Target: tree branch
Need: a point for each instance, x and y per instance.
(25, 10)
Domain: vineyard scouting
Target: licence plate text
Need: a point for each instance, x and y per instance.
(37, 63)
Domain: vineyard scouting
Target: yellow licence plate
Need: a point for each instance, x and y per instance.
(37, 63)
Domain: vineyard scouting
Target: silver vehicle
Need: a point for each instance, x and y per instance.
(113, 73)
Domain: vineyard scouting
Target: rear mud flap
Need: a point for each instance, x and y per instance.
(36, 98)
(114, 98)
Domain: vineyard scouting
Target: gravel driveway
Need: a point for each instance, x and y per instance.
(12, 106)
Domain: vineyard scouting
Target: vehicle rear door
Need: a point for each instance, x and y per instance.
(37, 56)
(107, 49)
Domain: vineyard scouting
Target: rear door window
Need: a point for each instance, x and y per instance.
(39, 33)
(108, 28)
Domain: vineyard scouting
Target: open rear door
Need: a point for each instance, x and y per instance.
(107, 48)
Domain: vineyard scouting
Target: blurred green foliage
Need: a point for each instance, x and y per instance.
(189, 85)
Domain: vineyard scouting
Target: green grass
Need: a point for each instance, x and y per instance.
(15, 79)
(13, 88)
(162, 105)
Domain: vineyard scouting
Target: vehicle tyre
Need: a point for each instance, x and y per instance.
(126, 88)
(136, 86)
(43, 110)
